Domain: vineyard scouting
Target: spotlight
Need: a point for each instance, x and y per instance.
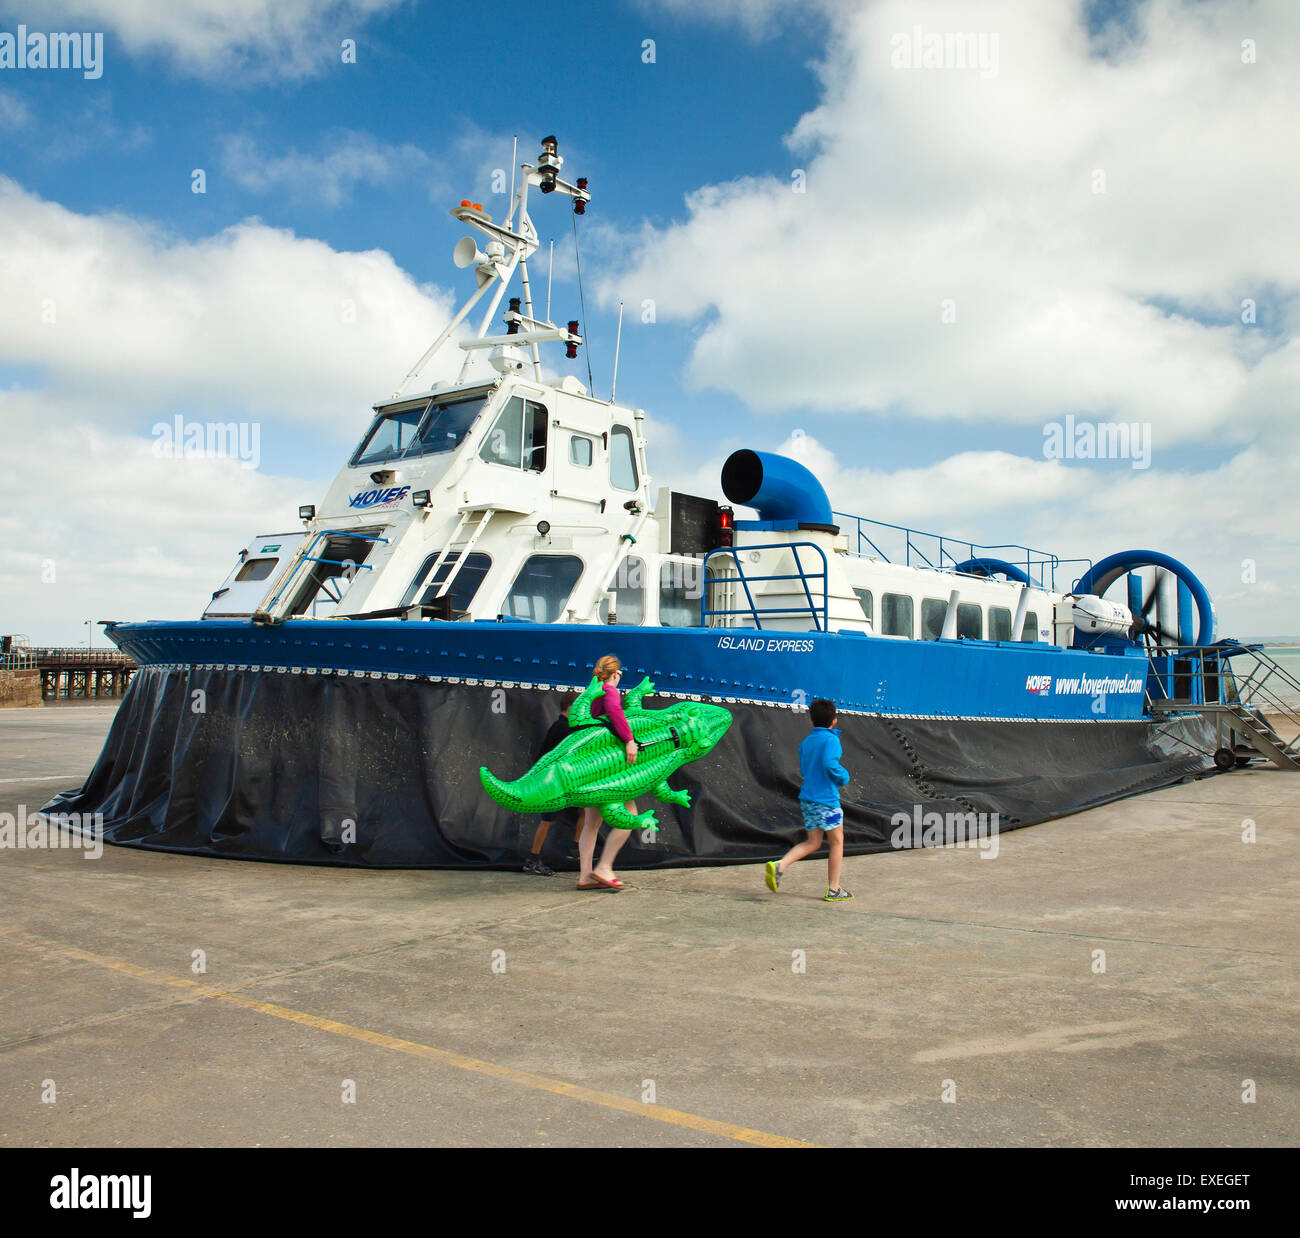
(543, 527)
(420, 498)
(307, 511)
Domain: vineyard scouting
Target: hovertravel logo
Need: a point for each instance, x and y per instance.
(379, 498)
(60, 50)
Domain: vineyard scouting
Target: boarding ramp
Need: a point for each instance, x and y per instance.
(1240, 698)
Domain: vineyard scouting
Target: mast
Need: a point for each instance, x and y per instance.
(509, 246)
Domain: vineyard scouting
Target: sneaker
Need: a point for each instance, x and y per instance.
(836, 896)
(534, 865)
(773, 876)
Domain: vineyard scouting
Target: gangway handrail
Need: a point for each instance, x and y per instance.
(820, 615)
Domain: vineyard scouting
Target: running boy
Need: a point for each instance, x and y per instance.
(819, 797)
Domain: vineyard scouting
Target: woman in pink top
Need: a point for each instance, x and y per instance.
(610, 705)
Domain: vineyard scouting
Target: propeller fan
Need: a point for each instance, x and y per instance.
(1156, 611)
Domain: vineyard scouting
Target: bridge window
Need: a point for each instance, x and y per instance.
(999, 623)
(390, 435)
(933, 613)
(864, 596)
(447, 424)
(424, 589)
(580, 452)
(517, 438)
(680, 589)
(622, 459)
(896, 615)
(543, 587)
(1030, 630)
(970, 620)
(256, 569)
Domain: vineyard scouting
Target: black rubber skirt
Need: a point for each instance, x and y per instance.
(383, 773)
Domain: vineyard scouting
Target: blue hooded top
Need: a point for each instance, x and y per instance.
(819, 764)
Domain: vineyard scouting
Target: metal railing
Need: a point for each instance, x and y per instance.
(916, 548)
(820, 614)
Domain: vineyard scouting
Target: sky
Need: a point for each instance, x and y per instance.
(925, 246)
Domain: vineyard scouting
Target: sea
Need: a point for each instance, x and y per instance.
(1288, 658)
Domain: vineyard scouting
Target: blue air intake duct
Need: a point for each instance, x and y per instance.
(1191, 592)
(785, 494)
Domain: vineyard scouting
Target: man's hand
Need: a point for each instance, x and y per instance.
(631, 750)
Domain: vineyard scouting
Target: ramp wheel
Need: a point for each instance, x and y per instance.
(1225, 759)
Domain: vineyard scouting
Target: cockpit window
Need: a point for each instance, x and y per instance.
(422, 429)
(446, 425)
(390, 436)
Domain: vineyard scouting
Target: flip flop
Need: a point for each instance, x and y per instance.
(595, 886)
(616, 884)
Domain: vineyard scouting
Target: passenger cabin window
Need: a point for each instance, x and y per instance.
(628, 587)
(424, 588)
(517, 438)
(896, 615)
(256, 569)
(680, 587)
(622, 460)
(543, 587)
(970, 620)
(864, 596)
(933, 613)
(999, 623)
(580, 451)
(1030, 631)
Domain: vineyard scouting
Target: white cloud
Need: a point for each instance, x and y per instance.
(343, 161)
(124, 533)
(229, 39)
(253, 318)
(249, 324)
(943, 185)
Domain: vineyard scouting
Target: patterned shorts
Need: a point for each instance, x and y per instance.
(821, 816)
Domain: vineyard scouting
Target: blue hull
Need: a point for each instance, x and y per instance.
(863, 674)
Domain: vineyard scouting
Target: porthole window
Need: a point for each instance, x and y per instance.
(580, 451)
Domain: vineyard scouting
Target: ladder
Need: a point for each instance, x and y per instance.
(1239, 710)
(459, 548)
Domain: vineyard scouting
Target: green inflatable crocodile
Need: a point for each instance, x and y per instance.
(588, 768)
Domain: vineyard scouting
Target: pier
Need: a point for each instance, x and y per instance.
(88, 674)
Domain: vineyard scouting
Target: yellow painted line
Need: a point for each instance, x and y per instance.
(609, 1100)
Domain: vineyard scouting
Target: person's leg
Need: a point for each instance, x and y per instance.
(835, 840)
(590, 820)
(614, 841)
(796, 853)
(539, 838)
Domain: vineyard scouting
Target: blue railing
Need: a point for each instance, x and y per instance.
(308, 558)
(819, 614)
(936, 550)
